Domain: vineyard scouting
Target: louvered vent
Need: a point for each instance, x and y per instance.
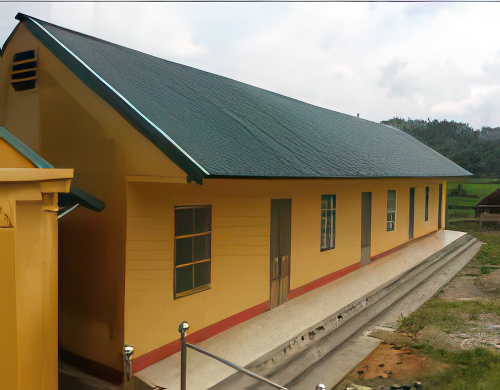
(24, 72)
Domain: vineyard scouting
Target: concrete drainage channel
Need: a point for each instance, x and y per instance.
(294, 362)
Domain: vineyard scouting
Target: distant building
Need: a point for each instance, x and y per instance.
(489, 204)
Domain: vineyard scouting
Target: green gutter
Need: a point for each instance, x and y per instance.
(118, 102)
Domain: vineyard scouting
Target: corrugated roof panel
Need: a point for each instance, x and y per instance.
(235, 129)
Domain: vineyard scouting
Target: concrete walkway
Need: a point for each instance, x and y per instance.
(248, 341)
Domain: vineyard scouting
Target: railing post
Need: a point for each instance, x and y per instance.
(128, 353)
(183, 327)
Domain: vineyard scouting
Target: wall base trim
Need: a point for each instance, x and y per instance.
(392, 250)
(296, 292)
(154, 356)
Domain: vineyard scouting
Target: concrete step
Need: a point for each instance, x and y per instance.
(333, 367)
(293, 359)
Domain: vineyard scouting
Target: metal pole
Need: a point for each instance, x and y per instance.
(183, 327)
(236, 367)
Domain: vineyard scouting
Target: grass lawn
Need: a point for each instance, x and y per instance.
(479, 188)
(477, 369)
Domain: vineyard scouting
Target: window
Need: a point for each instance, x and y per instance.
(391, 210)
(24, 70)
(328, 203)
(426, 203)
(193, 225)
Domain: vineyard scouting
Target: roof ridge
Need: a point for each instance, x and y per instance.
(21, 16)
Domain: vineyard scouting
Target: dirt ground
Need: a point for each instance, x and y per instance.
(394, 364)
(390, 365)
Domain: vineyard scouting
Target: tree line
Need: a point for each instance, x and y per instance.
(478, 151)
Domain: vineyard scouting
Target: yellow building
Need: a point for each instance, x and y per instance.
(223, 200)
(29, 188)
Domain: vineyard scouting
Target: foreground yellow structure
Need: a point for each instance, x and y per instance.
(224, 200)
(28, 267)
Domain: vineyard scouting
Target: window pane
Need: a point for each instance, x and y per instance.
(201, 274)
(202, 219)
(332, 233)
(183, 250)
(391, 209)
(183, 222)
(201, 247)
(184, 279)
(328, 203)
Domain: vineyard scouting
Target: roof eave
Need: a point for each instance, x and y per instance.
(442, 177)
(133, 116)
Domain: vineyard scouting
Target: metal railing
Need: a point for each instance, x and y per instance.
(183, 328)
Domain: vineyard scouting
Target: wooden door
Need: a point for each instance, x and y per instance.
(366, 227)
(281, 212)
(412, 213)
(440, 206)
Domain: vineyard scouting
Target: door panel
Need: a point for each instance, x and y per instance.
(366, 227)
(280, 250)
(440, 206)
(412, 213)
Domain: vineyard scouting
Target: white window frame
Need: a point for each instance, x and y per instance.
(391, 211)
(328, 216)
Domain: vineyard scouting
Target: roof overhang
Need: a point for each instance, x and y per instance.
(77, 197)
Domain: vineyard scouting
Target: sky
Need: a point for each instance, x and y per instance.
(381, 60)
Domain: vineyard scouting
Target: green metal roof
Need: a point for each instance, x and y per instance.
(212, 126)
(23, 149)
(77, 196)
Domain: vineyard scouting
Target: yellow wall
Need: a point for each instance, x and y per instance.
(240, 244)
(8, 335)
(28, 285)
(70, 126)
(10, 158)
(20, 109)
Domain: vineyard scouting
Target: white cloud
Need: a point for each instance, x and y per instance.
(156, 28)
(378, 59)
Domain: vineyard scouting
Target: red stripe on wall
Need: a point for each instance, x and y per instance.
(383, 254)
(322, 281)
(160, 353)
(143, 361)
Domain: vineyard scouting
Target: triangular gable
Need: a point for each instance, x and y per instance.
(15, 154)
